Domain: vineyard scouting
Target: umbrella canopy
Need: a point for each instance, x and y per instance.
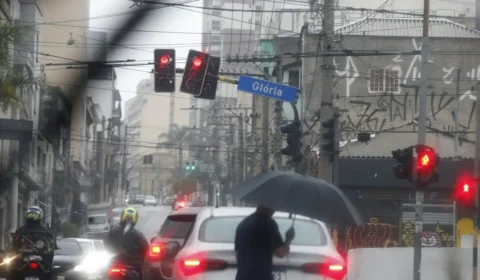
(299, 194)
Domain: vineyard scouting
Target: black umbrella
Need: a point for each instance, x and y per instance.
(299, 194)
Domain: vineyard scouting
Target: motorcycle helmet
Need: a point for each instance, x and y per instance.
(129, 215)
(34, 214)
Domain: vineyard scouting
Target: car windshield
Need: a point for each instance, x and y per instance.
(87, 247)
(99, 246)
(307, 233)
(139, 196)
(117, 211)
(97, 220)
(68, 248)
(177, 226)
(150, 198)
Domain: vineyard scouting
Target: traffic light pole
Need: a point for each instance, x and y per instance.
(422, 119)
(476, 193)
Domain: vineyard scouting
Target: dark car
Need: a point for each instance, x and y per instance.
(176, 228)
(69, 255)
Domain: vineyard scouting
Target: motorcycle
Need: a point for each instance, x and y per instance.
(122, 272)
(33, 261)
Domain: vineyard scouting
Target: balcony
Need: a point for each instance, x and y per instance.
(41, 175)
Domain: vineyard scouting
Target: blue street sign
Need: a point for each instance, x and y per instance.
(267, 89)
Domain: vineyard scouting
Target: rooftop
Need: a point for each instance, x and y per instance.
(405, 27)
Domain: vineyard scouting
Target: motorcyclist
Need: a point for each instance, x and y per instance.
(128, 245)
(33, 218)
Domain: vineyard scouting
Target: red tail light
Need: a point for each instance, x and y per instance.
(116, 271)
(155, 251)
(191, 266)
(33, 265)
(335, 271)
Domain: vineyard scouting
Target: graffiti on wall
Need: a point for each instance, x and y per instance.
(372, 235)
(430, 238)
(367, 111)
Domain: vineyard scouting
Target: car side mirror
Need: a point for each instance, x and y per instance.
(171, 248)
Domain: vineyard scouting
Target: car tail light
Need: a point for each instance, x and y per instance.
(332, 270)
(156, 250)
(191, 266)
(114, 270)
(33, 265)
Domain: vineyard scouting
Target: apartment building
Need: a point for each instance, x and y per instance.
(149, 115)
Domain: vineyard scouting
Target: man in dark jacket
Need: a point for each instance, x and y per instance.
(128, 245)
(26, 238)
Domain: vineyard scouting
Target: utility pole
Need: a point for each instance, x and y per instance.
(232, 162)
(477, 175)
(241, 143)
(457, 111)
(278, 122)
(326, 106)
(422, 119)
(124, 161)
(216, 159)
(253, 140)
(265, 114)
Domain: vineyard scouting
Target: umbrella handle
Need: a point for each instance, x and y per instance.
(293, 220)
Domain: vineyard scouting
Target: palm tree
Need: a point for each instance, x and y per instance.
(177, 137)
(13, 85)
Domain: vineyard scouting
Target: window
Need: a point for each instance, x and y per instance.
(68, 248)
(216, 12)
(87, 247)
(215, 39)
(216, 25)
(97, 220)
(384, 81)
(376, 80)
(148, 159)
(177, 226)
(258, 25)
(391, 81)
(37, 47)
(294, 78)
(307, 233)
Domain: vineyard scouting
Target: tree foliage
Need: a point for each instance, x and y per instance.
(14, 85)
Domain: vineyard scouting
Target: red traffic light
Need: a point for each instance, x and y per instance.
(466, 188)
(426, 159)
(197, 62)
(164, 60)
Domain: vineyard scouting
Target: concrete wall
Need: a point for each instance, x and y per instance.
(397, 264)
(367, 110)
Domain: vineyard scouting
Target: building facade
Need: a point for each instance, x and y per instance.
(145, 121)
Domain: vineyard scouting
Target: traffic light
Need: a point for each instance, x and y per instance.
(404, 159)
(209, 90)
(425, 170)
(195, 72)
(465, 192)
(187, 166)
(193, 166)
(293, 141)
(164, 60)
(328, 135)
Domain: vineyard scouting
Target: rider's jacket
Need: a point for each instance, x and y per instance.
(130, 247)
(23, 234)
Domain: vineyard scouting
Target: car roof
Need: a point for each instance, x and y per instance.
(187, 211)
(244, 211)
(97, 215)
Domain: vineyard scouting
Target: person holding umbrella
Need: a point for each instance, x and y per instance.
(257, 240)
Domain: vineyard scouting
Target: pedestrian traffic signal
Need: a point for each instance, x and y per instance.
(195, 72)
(193, 166)
(218, 193)
(209, 89)
(164, 70)
(465, 192)
(293, 141)
(425, 170)
(187, 166)
(328, 135)
(404, 159)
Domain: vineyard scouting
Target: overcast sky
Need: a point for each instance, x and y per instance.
(167, 26)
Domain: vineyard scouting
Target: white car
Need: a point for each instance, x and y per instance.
(116, 215)
(150, 200)
(209, 252)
